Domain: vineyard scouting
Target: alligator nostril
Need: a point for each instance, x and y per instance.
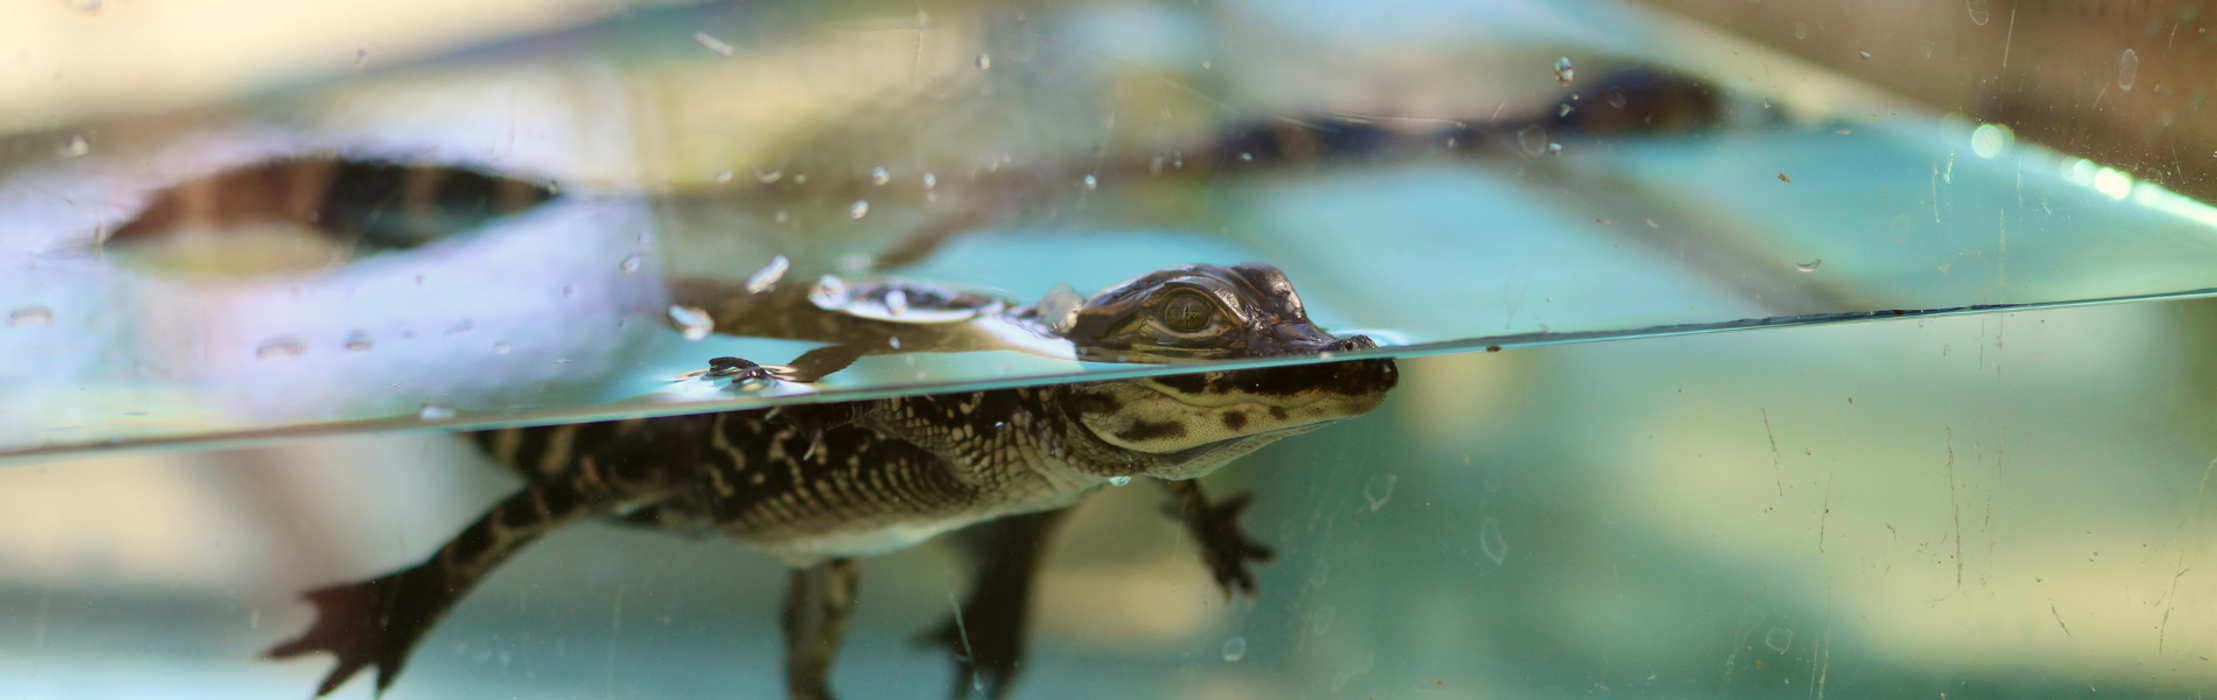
(1355, 342)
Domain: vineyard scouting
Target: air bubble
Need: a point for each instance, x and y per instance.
(693, 322)
(77, 147)
(1554, 149)
(1563, 72)
(768, 176)
(500, 348)
(2128, 68)
(879, 177)
(1979, 13)
(431, 412)
(280, 347)
(1490, 541)
(357, 341)
(1865, 54)
(31, 316)
(1801, 31)
(1616, 98)
(1810, 266)
(1235, 649)
(1119, 480)
(630, 264)
(859, 209)
(1091, 183)
(985, 62)
(723, 176)
(1562, 110)
(930, 181)
(896, 302)
(765, 279)
(713, 44)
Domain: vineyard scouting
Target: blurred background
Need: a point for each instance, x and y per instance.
(221, 217)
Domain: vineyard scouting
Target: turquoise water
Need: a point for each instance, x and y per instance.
(1991, 506)
(1961, 448)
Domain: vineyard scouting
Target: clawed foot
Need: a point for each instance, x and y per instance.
(370, 623)
(1225, 546)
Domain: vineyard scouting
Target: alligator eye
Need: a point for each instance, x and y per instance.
(1187, 314)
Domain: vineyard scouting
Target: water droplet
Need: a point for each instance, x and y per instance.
(723, 176)
(896, 302)
(1562, 110)
(985, 62)
(1119, 480)
(431, 412)
(930, 181)
(1235, 649)
(1810, 266)
(768, 176)
(693, 322)
(1320, 621)
(357, 341)
(1979, 13)
(1091, 183)
(280, 347)
(1554, 149)
(879, 177)
(1865, 54)
(859, 209)
(77, 147)
(1801, 31)
(1379, 490)
(1563, 73)
(569, 291)
(1490, 541)
(1779, 639)
(630, 264)
(31, 316)
(1616, 98)
(766, 278)
(2128, 68)
(500, 348)
(712, 44)
(1533, 140)
(830, 294)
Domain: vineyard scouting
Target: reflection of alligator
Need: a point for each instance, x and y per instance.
(822, 484)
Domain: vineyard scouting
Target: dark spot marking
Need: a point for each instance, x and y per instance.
(1493, 348)
(1235, 421)
(472, 543)
(1278, 413)
(1145, 430)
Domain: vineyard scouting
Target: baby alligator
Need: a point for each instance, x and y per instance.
(821, 485)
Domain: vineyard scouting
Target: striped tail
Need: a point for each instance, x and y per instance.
(379, 621)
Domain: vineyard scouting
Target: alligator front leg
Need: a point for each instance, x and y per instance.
(1225, 546)
(987, 636)
(817, 605)
(379, 621)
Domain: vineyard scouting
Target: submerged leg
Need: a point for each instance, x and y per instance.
(817, 606)
(379, 621)
(1225, 546)
(987, 635)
